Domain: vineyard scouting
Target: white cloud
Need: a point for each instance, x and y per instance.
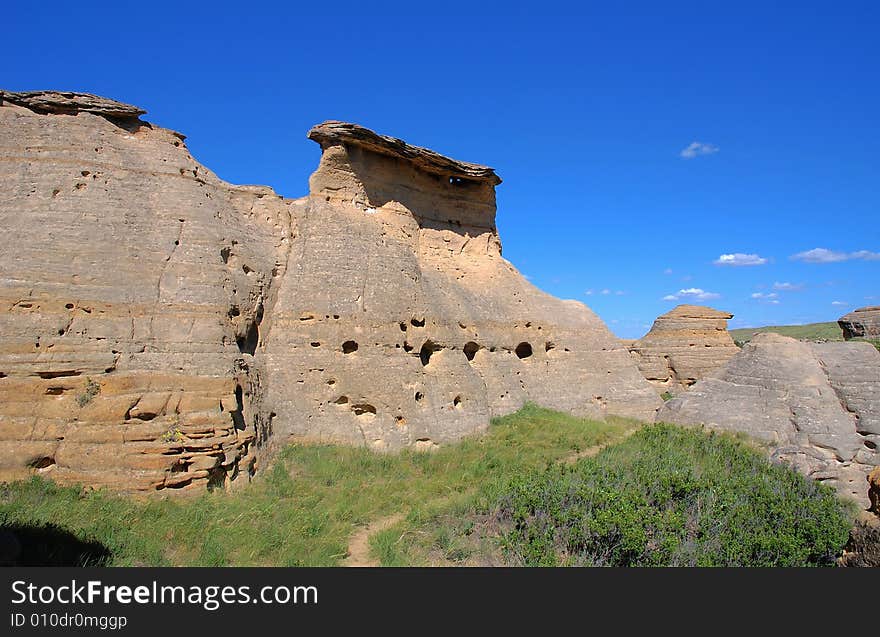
(691, 294)
(738, 259)
(695, 149)
(839, 303)
(619, 293)
(589, 292)
(823, 255)
(667, 271)
(762, 295)
(790, 287)
(605, 292)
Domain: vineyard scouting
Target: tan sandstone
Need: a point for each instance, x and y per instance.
(162, 328)
(861, 323)
(683, 346)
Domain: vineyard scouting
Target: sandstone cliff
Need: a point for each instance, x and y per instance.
(683, 346)
(163, 329)
(816, 404)
(861, 323)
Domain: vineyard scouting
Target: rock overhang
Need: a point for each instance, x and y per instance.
(332, 133)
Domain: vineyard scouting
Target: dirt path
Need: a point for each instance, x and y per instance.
(359, 544)
(358, 553)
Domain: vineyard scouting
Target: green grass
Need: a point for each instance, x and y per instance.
(811, 332)
(305, 507)
(525, 492)
(670, 496)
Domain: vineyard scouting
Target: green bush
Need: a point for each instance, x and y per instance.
(672, 497)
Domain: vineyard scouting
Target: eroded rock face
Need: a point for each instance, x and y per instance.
(861, 323)
(133, 286)
(162, 328)
(816, 404)
(399, 323)
(683, 346)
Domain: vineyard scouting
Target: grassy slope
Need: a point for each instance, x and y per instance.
(304, 509)
(810, 332)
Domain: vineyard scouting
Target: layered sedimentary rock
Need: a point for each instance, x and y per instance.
(132, 289)
(160, 327)
(399, 323)
(683, 346)
(816, 404)
(861, 323)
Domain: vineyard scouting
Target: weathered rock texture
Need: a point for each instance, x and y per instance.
(861, 323)
(683, 346)
(160, 327)
(399, 323)
(816, 404)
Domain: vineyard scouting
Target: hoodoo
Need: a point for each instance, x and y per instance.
(683, 346)
(161, 328)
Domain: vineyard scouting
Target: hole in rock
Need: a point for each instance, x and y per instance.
(331, 381)
(216, 478)
(870, 445)
(402, 326)
(407, 347)
(456, 402)
(400, 420)
(342, 400)
(419, 395)
(69, 306)
(427, 351)
(549, 345)
(247, 343)
(315, 344)
(349, 346)
(523, 350)
(470, 350)
(41, 463)
(54, 391)
(224, 254)
(363, 408)
(238, 414)
(234, 311)
(417, 322)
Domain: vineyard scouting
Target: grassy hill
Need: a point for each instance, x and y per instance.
(660, 496)
(810, 332)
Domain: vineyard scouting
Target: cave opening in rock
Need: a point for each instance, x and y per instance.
(470, 350)
(349, 347)
(427, 352)
(523, 350)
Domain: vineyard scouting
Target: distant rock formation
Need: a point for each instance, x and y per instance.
(816, 404)
(683, 346)
(861, 323)
(163, 329)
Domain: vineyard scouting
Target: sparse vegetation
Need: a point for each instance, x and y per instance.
(667, 395)
(91, 390)
(173, 434)
(524, 492)
(811, 332)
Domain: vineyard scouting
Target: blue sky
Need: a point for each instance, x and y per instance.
(638, 142)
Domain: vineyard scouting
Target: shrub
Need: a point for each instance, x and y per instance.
(672, 497)
(91, 390)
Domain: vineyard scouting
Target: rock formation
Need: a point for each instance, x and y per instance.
(164, 329)
(816, 404)
(861, 323)
(683, 346)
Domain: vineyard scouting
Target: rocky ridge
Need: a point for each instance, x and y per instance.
(162, 328)
(817, 406)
